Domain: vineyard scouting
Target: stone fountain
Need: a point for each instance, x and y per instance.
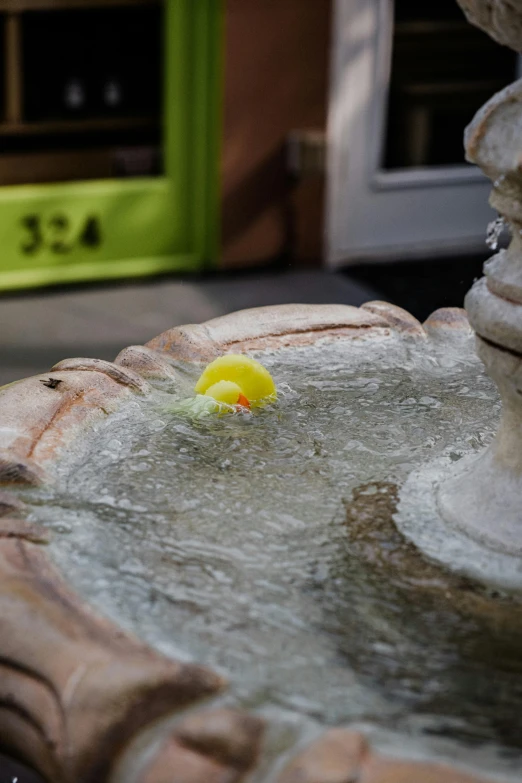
(485, 500)
(239, 598)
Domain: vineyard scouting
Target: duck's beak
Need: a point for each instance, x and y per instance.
(242, 402)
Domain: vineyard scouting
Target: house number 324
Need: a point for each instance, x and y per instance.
(55, 234)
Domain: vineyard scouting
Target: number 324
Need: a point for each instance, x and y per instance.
(55, 234)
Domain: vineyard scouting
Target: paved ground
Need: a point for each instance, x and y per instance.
(40, 328)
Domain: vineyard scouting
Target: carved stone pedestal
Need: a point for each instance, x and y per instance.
(485, 499)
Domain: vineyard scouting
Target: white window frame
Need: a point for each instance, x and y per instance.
(377, 214)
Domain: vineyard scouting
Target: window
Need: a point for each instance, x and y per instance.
(83, 94)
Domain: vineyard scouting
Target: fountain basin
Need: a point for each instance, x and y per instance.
(261, 547)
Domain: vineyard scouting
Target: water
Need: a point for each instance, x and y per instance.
(226, 540)
(494, 231)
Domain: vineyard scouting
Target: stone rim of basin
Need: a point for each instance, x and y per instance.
(64, 667)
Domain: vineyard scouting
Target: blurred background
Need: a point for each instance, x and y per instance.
(165, 162)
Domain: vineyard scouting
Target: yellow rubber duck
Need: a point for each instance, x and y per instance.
(237, 380)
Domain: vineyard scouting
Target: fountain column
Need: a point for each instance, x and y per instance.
(485, 498)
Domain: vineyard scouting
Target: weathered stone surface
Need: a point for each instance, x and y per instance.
(266, 328)
(482, 499)
(124, 376)
(229, 736)
(9, 504)
(502, 19)
(147, 362)
(383, 770)
(336, 757)
(401, 320)
(343, 756)
(215, 746)
(15, 469)
(492, 141)
(248, 327)
(178, 764)
(18, 528)
(494, 318)
(74, 689)
(190, 343)
(40, 414)
(448, 323)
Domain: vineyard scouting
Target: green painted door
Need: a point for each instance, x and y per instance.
(111, 227)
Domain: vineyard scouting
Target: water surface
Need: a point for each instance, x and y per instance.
(225, 540)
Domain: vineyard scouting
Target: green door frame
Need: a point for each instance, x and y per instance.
(99, 229)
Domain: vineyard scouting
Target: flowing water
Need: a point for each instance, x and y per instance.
(225, 540)
(494, 232)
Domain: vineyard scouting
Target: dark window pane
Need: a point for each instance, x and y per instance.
(415, 10)
(92, 63)
(92, 85)
(443, 70)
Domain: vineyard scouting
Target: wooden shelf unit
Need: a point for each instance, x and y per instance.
(91, 125)
(19, 6)
(18, 154)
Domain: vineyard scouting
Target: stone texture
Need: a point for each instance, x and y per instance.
(178, 764)
(190, 343)
(343, 756)
(147, 362)
(215, 746)
(266, 328)
(123, 376)
(382, 770)
(494, 318)
(447, 324)
(399, 319)
(74, 689)
(483, 498)
(502, 19)
(41, 414)
(492, 141)
(15, 469)
(18, 528)
(336, 757)
(9, 504)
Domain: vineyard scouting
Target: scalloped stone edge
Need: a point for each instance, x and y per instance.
(41, 414)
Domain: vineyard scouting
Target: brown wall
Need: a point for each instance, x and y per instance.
(276, 80)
